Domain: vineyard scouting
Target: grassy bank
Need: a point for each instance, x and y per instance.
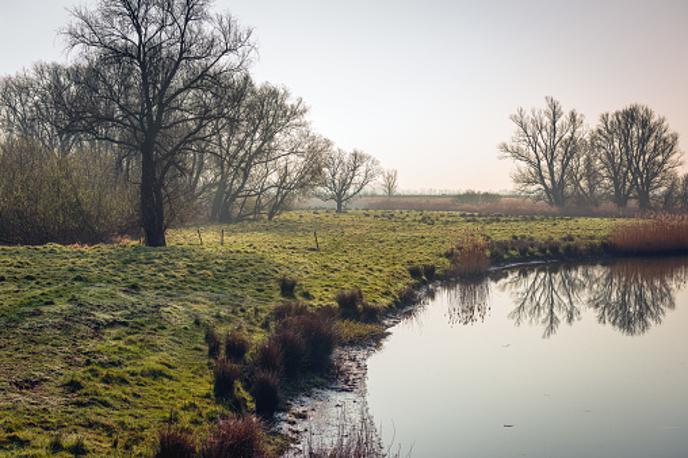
(101, 346)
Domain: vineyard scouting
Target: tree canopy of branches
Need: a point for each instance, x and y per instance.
(345, 175)
(390, 182)
(638, 153)
(150, 81)
(545, 146)
(263, 155)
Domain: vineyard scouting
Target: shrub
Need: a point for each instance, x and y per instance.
(269, 356)
(236, 346)
(266, 393)
(320, 336)
(235, 437)
(175, 443)
(76, 198)
(225, 374)
(213, 341)
(287, 286)
(293, 350)
(349, 301)
(663, 234)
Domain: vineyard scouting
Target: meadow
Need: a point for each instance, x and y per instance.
(103, 345)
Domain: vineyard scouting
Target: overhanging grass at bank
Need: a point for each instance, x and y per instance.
(106, 342)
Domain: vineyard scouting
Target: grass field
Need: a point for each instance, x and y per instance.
(101, 346)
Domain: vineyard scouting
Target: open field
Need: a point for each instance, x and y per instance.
(105, 343)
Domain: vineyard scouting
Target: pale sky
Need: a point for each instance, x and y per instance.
(427, 86)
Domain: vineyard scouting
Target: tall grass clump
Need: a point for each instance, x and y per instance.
(469, 257)
(349, 302)
(287, 286)
(266, 393)
(662, 234)
(225, 374)
(175, 443)
(236, 437)
(213, 342)
(236, 346)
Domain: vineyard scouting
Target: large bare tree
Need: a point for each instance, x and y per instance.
(611, 141)
(345, 175)
(150, 77)
(544, 146)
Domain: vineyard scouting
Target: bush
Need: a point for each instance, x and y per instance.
(266, 393)
(235, 437)
(213, 341)
(76, 198)
(236, 346)
(348, 302)
(225, 374)
(175, 443)
(320, 337)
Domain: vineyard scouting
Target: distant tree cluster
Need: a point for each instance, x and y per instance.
(156, 121)
(631, 154)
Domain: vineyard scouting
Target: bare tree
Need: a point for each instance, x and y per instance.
(545, 146)
(611, 141)
(390, 182)
(652, 153)
(586, 178)
(345, 175)
(150, 80)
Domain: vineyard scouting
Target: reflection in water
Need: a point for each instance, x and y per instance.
(545, 296)
(631, 295)
(468, 301)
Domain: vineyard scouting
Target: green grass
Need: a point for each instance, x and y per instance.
(106, 342)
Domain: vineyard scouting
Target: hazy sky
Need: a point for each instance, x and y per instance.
(427, 86)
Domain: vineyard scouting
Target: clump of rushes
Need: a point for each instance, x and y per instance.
(663, 234)
(407, 296)
(349, 301)
(213, 342)
(225, 374)
(236, 346)
(429, 271)
(469, 257)
(320, 336)
(269, 356)
(77, 447)
(175, 443)
(293, 349)
(266, 393)
(235, 437)
(287, 286)
(416, 272)
(288, 309)
(370, 313)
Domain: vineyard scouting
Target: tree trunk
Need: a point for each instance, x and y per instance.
(643, 200)
(152, 209)
(340, 206)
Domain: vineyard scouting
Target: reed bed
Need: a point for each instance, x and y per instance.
(659, 235)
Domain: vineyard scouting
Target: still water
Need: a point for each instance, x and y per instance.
(548, 361)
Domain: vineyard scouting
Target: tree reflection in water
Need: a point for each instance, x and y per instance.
(633, 296)
(545, 295)
(630, 295)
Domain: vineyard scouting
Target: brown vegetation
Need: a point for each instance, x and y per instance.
(663, 234)
(470, 256)
(236, 437)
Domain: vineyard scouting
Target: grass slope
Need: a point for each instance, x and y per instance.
(105, 343)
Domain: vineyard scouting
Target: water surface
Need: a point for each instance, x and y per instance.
(548, 361)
